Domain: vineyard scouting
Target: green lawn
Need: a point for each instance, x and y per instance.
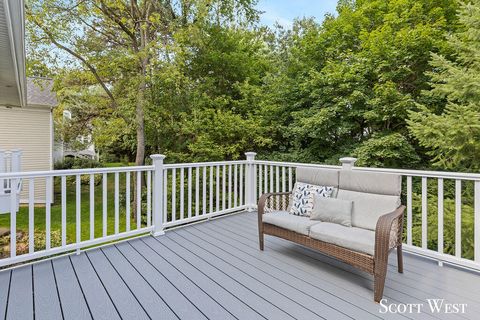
(39, 215)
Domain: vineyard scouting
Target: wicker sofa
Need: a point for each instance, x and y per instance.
(376, 219)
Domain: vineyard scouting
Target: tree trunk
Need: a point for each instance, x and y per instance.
(140, 121)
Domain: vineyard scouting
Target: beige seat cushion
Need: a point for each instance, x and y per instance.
(356, 239)
(368, 207)
(285, 220)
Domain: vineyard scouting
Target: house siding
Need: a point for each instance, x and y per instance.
(30, 130)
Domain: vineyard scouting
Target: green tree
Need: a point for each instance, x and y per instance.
(354, 78)
(117, 44)
(452, 133)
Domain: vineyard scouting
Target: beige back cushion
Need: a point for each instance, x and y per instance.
(371, 182)
(373, 195)
(317, 176)
(368, 207)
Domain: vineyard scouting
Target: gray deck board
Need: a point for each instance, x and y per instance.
(97, 297)
(279, 299)
(4, 290)
(172, 297)
(127, 304)
(150, 300)
(20, 301)
(265, 276)
(174, 268)
(72, 300)
(214, 270)
(47, 303)
(226, 290)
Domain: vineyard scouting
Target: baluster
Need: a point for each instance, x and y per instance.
(271, 180)
(284, 187)
(424, 213)
(458, 218)
(104, 204)
(174, 195)
(235, 185)
(229, 186)
(189, 186)
(149, 198)
(254, 180)
(139, 199)
(127, 201)
(217, 187)
(204, 190)
(48, 212)
(78, 208)
(409, 210)
(277, 179)
(117, 205)
(182, 191)
(241, 202)
(31, 215)
(476, 222)
(197, 191)
(13, 218)
(224, 187)
(165, 195)
(260, 181)
(440, 215)
(92, 207)
(290, 179)
(211, 189)
(265, 178)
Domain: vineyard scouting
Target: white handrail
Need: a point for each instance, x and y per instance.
(404, 172)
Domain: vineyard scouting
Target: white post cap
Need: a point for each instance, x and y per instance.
(348, 162)
(250, 155)
(155, 157)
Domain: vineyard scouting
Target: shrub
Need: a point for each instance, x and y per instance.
(22, 242)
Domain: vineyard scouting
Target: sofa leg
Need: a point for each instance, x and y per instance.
(379, 279)
(379, 283)
(400, 259)
(260, 240)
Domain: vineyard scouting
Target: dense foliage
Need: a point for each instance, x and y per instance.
(380, 80)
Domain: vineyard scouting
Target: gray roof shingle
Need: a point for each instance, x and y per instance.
(39, 92)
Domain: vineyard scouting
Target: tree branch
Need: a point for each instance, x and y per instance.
(92, 69)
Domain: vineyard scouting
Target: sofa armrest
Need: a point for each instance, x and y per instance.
(273, 202)
(388, 232)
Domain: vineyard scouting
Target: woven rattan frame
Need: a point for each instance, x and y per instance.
(388, 236)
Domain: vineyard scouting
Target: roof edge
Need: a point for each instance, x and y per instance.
(15, 17)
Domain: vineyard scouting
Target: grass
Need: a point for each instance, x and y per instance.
(56, 211)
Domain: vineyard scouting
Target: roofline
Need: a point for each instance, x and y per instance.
(18, 47)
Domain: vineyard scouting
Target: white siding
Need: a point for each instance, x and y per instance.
(28, 129)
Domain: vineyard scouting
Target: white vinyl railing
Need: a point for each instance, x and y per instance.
(81, 208)
(94, 206)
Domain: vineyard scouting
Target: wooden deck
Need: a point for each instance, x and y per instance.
(214, 270)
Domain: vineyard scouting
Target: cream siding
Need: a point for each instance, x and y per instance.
(30, 130)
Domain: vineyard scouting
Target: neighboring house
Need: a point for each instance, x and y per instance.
(25, 103)
(64, 149)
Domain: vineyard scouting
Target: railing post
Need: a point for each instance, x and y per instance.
(348, 163)
(2, 170)
(157, 194)
(250, 181)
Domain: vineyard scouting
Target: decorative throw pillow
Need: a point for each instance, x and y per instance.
(303, 194)
(332, 210)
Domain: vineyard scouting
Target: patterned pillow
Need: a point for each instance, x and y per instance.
(303, 196)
